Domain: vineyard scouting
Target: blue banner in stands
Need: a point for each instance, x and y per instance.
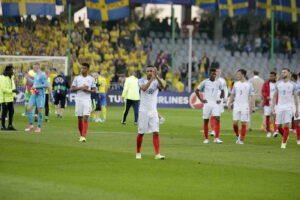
(28, 7)
(107, 10)
(164, 99)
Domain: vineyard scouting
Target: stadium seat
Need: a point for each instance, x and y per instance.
(237, 54)
(157, 41)
(152, 34)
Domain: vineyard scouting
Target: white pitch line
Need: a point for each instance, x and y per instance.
(131, 133)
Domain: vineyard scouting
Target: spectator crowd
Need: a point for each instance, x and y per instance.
(116, 48)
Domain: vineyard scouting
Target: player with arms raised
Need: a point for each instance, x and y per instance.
(148, 121)
(286, 92)
(243, 96)
(211, 100)
(84, 85)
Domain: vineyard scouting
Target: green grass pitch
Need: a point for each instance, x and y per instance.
(54, 165)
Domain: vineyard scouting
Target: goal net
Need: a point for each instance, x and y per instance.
(23, 63)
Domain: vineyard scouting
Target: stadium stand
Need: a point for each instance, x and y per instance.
(116, 48)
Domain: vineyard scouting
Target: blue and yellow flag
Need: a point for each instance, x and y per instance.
(231, 8)
(291, 10)
(61, 2)
(264, 8)
(28, 7)
(206, 4)
(107, 10)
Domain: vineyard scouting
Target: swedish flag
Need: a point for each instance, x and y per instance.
(291, 10)
(264, 8)
(28, 7)
(206, 4)
(106, 10)
(61, 2)
(233, 8)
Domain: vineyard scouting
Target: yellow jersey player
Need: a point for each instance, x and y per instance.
(102, 96)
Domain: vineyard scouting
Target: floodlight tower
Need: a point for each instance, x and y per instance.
(190, 28)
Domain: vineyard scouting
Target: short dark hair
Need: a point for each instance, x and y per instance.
(255, 72)
(294, 76)
(212, 70)
(273, 73)
(87, 65)
(287, 69)
(244, 72)
(299, 74)
(8, 68)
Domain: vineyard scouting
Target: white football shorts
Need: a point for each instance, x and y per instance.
(267, 110)
(241, 115)
(148, 122)
(211, 110)
(284, 116)
(82, 107)
(221, 105)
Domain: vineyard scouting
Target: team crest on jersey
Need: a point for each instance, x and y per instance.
(150, 91)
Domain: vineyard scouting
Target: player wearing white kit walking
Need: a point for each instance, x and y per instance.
(242, 95)
(223, 100)
(286, 93)
(298, 118)
(294, 79)
(148, 121)
(84, 85)
(267, 92)
(211, 100)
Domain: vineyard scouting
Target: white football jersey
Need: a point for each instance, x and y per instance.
(298, 90)
(242, 91)
(224, 86)
(148, 101)
(210, 90)
(285, 91)
(272, 91)
(81, 81)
